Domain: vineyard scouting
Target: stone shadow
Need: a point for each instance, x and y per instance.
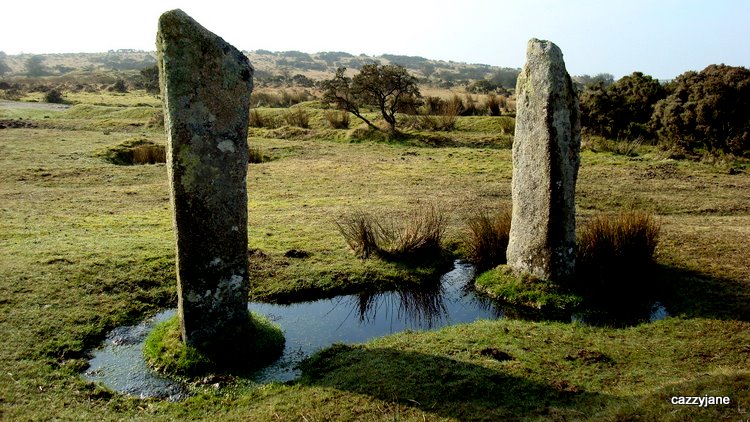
(444, 386)
(694, 294)
(634, 297)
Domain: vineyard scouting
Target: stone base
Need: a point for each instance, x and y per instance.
(525, 290)
(248, 347)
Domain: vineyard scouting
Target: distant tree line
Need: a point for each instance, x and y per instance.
(705, 111)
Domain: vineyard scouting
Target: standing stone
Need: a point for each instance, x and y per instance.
(206, 85)
(545, 167)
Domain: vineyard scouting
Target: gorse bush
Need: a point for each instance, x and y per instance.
(708, 110)
(419, 235)
(623, 109)
(612, 248)
(53, 96)
(488, 238)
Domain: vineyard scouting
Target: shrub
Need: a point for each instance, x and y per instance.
(488, 238)
(297, 117)
(445, 120)
(337, 119)
(708, 110)
(156, 120)
(615, 248)
(470, 106)
(418, 236)
(54, 96)
(279, 99)
(432, 105)
(119, 86)
(621, 110)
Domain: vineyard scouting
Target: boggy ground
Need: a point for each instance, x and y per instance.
(86, 246)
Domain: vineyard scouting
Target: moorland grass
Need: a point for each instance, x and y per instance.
(487, 238)
(417, 237)
(252, 346)
(87, 246)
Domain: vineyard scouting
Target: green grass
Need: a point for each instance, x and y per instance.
(526, 291)
(86, 246)
(252, 346)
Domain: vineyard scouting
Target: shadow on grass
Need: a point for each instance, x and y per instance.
(443, 386)
(693, 294)
(632, 298)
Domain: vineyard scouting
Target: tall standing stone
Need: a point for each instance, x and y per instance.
(545, 167)
(206, 85)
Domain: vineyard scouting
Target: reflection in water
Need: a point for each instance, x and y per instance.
(423, 308)
(311, 326)
(308, 327)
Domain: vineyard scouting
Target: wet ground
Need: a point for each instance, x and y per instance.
(311, 326)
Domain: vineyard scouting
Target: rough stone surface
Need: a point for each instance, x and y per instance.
(545, 167)
(206, 85)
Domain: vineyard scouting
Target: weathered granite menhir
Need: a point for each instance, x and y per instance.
(206, 85)
(545, 167)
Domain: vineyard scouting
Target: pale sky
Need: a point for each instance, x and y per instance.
(662, 38)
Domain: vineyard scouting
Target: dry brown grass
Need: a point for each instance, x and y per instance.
(361, 231)
(488, 238)
(337, 119)
(298, 117)
(149, 154)
(418, 235)
(613, 246)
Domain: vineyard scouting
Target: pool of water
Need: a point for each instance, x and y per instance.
(309, 327)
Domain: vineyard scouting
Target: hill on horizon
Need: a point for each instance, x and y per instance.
(271, 66)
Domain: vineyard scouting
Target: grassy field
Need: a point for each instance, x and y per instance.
(86, 246)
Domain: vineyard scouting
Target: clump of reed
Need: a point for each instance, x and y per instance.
(487, 238)
(418, 235)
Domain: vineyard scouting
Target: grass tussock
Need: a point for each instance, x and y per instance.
(487, 238)
(255, 155)
(418, 235)
(337, 119)
(298, 117)
(262, 120)
(135, 151)
(612, 250)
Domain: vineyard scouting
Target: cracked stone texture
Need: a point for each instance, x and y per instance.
(545, 167)
(206, 85)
